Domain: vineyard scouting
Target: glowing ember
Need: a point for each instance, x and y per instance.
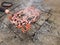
(24, 18)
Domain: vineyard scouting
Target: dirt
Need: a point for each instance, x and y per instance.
(46, 31)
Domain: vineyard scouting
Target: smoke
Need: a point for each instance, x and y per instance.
(34, 2)
(40, 4)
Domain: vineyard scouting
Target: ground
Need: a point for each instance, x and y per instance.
(46, 31)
